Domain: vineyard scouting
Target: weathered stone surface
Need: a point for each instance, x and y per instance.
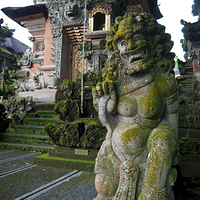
(138, 103)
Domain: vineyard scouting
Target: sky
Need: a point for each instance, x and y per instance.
(172, 10)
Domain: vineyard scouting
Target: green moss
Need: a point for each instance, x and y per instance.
(40, 121)
(5, 51)
(47, 114)
(88, 121)
(46, 156)
(24, 148)
(29, 130)
(25, 139)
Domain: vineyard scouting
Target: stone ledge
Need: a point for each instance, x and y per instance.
(64, 163)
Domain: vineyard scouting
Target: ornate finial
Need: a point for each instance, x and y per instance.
(6, 24)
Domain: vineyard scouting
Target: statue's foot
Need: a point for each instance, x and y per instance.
(100, 197)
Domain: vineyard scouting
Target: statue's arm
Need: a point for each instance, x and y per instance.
(105, 102)
(171, 111)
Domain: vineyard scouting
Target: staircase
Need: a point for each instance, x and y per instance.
(31, 135)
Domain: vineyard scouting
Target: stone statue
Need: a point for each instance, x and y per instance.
(27, 58)
(137, 101)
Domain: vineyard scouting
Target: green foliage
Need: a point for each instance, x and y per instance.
(189, 121)
(68, 110)
(189, 146)
(195, 8)
(82, 133)
(4, 122)
(29, 130)
(7, 88)
(75, 131)
(44, 114)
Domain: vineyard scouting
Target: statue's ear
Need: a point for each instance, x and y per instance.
(163, 65)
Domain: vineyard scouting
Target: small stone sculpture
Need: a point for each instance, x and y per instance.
(26, 60)
(138, 104)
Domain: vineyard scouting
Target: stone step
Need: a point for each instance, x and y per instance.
(29, 129)
(47, 114)
(40, 121)
(27, 147)
(26, 138)
(65, 157)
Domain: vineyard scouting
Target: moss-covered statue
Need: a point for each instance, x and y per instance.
(138, 104)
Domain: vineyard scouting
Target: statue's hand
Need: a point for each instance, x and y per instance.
(101, 89)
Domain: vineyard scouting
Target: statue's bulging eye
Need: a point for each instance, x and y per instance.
(124, 43)
(136, 38)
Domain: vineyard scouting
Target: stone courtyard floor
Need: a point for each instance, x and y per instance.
(19, 179)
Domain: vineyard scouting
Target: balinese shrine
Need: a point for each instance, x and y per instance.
(58, 29)
(68, 44)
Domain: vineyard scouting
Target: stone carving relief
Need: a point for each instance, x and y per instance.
(45, 81)
(18, 108)
(27, 58)
(30, 57)
(63, 14)
(77, 62)
(137, 101)
(95, 60)
(100, 9)
(40, 81)
(24, 85)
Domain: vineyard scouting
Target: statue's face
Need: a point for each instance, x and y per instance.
(133, 52)
(71, 8)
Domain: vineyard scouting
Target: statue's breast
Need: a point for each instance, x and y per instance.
(127, 106)
(148, 102)
(152, 104)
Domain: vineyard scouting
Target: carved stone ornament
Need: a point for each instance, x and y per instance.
(137, 101)
(26, 60)
(101, 9)
(63, 14)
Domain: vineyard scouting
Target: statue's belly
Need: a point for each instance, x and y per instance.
(129, 140)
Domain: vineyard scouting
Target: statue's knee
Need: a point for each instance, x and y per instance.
(106, 185)
(164, 142)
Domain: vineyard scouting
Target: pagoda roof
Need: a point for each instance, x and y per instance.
(154, 9)
(191, 31)
(27, 13)
(15, 45)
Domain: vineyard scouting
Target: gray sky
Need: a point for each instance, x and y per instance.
(172, 10)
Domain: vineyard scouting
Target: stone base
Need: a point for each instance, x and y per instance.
(43, 96)
(68, 158)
